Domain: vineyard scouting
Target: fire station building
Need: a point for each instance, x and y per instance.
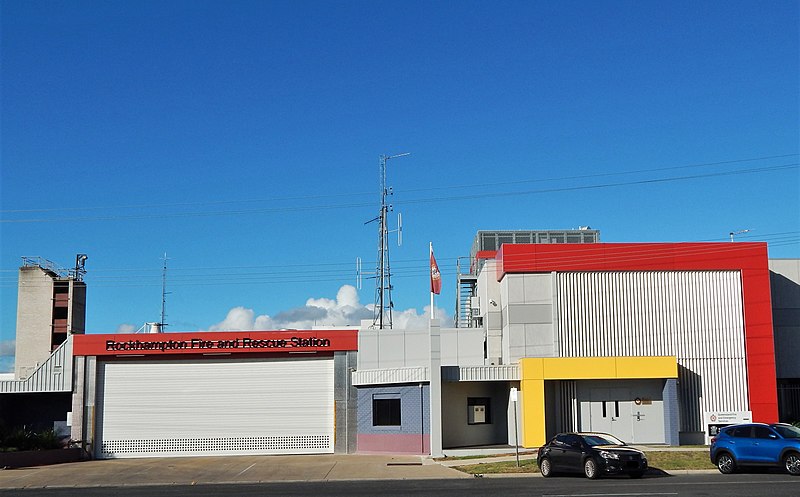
(656, 343)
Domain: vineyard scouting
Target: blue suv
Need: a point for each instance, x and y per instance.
(757, 444)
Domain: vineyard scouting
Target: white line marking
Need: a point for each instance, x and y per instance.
(245, 469)
(608, 495)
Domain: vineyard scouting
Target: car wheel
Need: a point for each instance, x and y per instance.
(590, 469)
(545, 467)
(637, 474)
(791, 462)
(726, 464)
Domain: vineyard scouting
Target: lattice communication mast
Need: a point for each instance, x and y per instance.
(382, 312)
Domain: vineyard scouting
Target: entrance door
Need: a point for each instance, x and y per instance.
(610, 412)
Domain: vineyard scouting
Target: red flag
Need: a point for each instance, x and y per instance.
(436, 277)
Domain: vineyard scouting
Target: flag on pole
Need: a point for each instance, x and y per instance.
(436, 277)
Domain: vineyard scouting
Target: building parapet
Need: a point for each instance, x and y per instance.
(508, 372)
(390, 376)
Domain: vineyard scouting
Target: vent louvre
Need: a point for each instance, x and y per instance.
(290, 443)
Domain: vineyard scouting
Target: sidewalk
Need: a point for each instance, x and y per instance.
(258, 469)
(228, 469)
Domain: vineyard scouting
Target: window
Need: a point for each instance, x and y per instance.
(385, 412)
(479, 411)
(562, 439)
(741, 432)
(763, 432)
(787, 431)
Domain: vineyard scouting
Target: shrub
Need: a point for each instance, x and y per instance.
(22, 438)
(48, 439)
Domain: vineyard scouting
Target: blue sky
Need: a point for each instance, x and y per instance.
(242, 139)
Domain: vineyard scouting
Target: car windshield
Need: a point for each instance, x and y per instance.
(596, 439)
(787, 431)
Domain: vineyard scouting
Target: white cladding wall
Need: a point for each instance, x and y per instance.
(215, 407)
(696, 316)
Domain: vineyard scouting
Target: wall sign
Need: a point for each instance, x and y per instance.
(215, 342)
(715, 421)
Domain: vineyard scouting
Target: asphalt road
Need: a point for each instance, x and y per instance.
(693, 485)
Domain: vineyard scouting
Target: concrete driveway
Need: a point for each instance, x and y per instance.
(230, 469)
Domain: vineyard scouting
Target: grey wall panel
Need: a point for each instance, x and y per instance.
(393, 349)
(368, 353)
(787, 351)
(539, 340)
(784, 282)
(461, 346)
(380, 349)
(530, 313)
(696, 316)
(538, 288)
(515, 289)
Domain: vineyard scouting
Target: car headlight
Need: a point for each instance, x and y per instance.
(608, 455)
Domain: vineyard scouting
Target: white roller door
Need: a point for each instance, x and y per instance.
(215, 407)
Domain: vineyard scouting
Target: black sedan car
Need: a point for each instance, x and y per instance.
(593, 454)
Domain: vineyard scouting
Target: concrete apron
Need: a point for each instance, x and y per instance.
(230, 469)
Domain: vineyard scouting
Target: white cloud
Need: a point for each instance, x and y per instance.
(126, 328)
(345, 310)
(238, 318)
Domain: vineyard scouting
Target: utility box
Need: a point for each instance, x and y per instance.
(477, 415)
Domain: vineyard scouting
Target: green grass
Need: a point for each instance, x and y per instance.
(525, 466)
(679, 460)
(480, 456)
(664, 460)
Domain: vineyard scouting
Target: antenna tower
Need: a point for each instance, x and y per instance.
(164, 292)
(382, 312)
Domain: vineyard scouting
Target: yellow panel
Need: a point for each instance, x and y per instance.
(531, 368)
(579, 368)
(598, 368)
(533, 427)
(647, 367)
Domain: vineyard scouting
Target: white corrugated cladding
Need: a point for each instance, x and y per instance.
(215, 407)
(696, 316)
